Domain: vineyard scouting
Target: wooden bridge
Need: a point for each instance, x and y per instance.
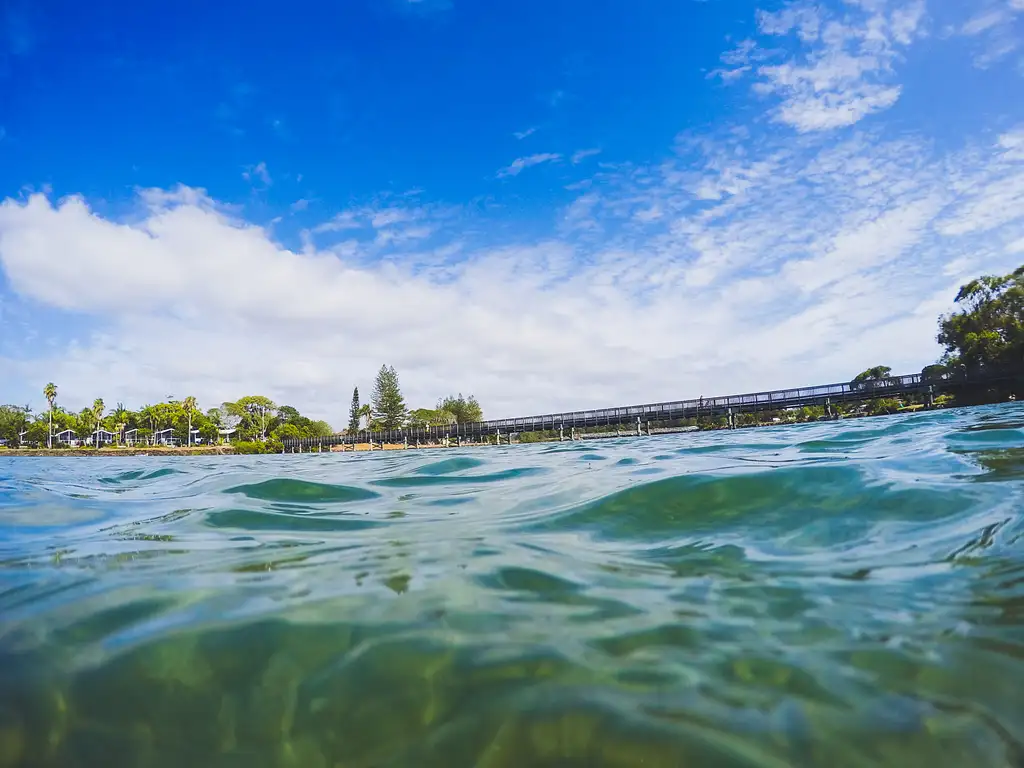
(637, 417)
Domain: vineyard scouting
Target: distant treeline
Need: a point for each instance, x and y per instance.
(254, 423)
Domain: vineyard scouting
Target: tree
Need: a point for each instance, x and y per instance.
(935, 372)
(83, 423)
(97, 413)
(256, 414)
(366, 412)
(50, 393)
(320, 429)
(289, 415)
(353, 412)
(466, 409)
(288, 432)
(388, 403)
(873, 378)
(120, 416)
(147, 415)
(878, 373)
(986, 335)
(425, 417)
(190, 406)
(14, 420)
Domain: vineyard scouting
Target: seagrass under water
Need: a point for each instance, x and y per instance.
(840, 594)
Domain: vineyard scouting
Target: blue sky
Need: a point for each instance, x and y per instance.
(552, 205)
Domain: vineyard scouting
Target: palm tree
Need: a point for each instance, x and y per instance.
(50, 393)
(189, 405)
(120, 416)
(97, 412)
(148, 413)
(366, 410)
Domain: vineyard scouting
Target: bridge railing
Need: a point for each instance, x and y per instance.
(780, 397)
(767, 400)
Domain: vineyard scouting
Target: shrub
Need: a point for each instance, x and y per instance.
(258, 446)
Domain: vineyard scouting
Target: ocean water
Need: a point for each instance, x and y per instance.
(835, 594)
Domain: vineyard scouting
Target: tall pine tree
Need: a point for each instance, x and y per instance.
(353, 412)
(388, 404)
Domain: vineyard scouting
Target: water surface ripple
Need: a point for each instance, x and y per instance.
(837, 594)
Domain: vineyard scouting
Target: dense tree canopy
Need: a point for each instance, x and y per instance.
(985, 336)
(877, 373)
(255, 417)
(465, 409)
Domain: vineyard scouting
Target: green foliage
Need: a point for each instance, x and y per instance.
(425, 417)
(986, 335)
(883, 405)
(14, 420)
(292, 425)
(184, 418)
(936, 372)
(465, 409)
(878, 373)
(256, 416)
(388, 404)
(258, 446)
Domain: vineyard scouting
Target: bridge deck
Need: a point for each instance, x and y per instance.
(658, 412)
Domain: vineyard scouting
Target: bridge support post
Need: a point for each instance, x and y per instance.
(931, 396)
(497, 435)
(730, 420)
(561, 433)
(639, 428)
(828, 407)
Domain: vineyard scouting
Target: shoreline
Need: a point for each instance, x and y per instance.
(229, 450)
(217, 450)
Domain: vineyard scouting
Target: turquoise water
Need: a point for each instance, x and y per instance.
(836, 594)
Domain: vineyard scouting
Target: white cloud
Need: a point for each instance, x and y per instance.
(341, 222)
(520, 164)
(257, 172)
(732, 266)
(523, 134)
(582, 154)
(984, 21)
(842, 69)
(299, 205)
(994, 26)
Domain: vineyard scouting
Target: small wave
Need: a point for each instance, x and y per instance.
(412, 481)
(257, 520)
(303, 491)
